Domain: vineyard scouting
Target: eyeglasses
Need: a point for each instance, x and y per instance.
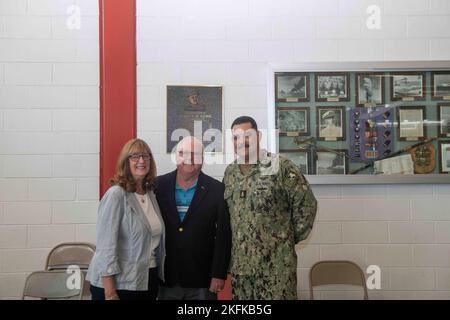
(136, 156)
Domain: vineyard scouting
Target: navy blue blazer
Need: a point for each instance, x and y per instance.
(198, 248)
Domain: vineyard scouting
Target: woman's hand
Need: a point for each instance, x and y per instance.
(113, 296)
(110, 288)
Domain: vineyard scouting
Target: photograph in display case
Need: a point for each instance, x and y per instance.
(293, 121)
(298, 156)
(407, 86)
(330, 123)
(411, 123)
(331, 162)
(444, 120)
(332, 87)
(440, 83)
(369, 89)
(444, 156)
(292, 87)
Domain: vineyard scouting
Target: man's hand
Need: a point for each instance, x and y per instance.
(216, 285)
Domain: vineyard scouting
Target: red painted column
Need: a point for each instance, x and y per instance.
(117, 82)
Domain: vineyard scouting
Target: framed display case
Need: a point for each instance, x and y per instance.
(358, 123)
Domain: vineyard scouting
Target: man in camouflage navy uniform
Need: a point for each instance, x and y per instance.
(271, 208)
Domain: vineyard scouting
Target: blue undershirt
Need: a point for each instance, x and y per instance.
(183, 199)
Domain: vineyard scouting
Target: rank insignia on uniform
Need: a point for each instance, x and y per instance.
(243, 193)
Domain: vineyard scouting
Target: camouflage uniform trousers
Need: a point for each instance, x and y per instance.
(250, 287)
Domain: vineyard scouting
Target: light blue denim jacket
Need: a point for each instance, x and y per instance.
(123, 242)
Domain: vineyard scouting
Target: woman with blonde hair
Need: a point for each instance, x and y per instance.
(130, 252)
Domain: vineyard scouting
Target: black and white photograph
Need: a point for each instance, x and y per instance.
(293, 121)
(332, 87)
(328, 162)
(408, 86)
(330, 123)
(292, 87)
(369, 89)
(411, 126)
(444, 156)
(196, 111)
(441, 85)
(298, 156)
(444, 120)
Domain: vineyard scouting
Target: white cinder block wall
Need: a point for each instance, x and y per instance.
(49, 133)
(49, 121)
(403, 229)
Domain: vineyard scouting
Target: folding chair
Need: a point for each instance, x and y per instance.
(71, 253)
(336, 272)
(52, 285)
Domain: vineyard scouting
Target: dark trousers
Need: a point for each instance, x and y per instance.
(150, 294)
(180, 293)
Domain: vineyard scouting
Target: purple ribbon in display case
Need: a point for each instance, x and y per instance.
(371, 133)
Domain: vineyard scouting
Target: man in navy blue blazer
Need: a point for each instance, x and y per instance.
(198, 234)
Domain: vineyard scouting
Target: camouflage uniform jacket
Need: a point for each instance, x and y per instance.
(271, 208)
